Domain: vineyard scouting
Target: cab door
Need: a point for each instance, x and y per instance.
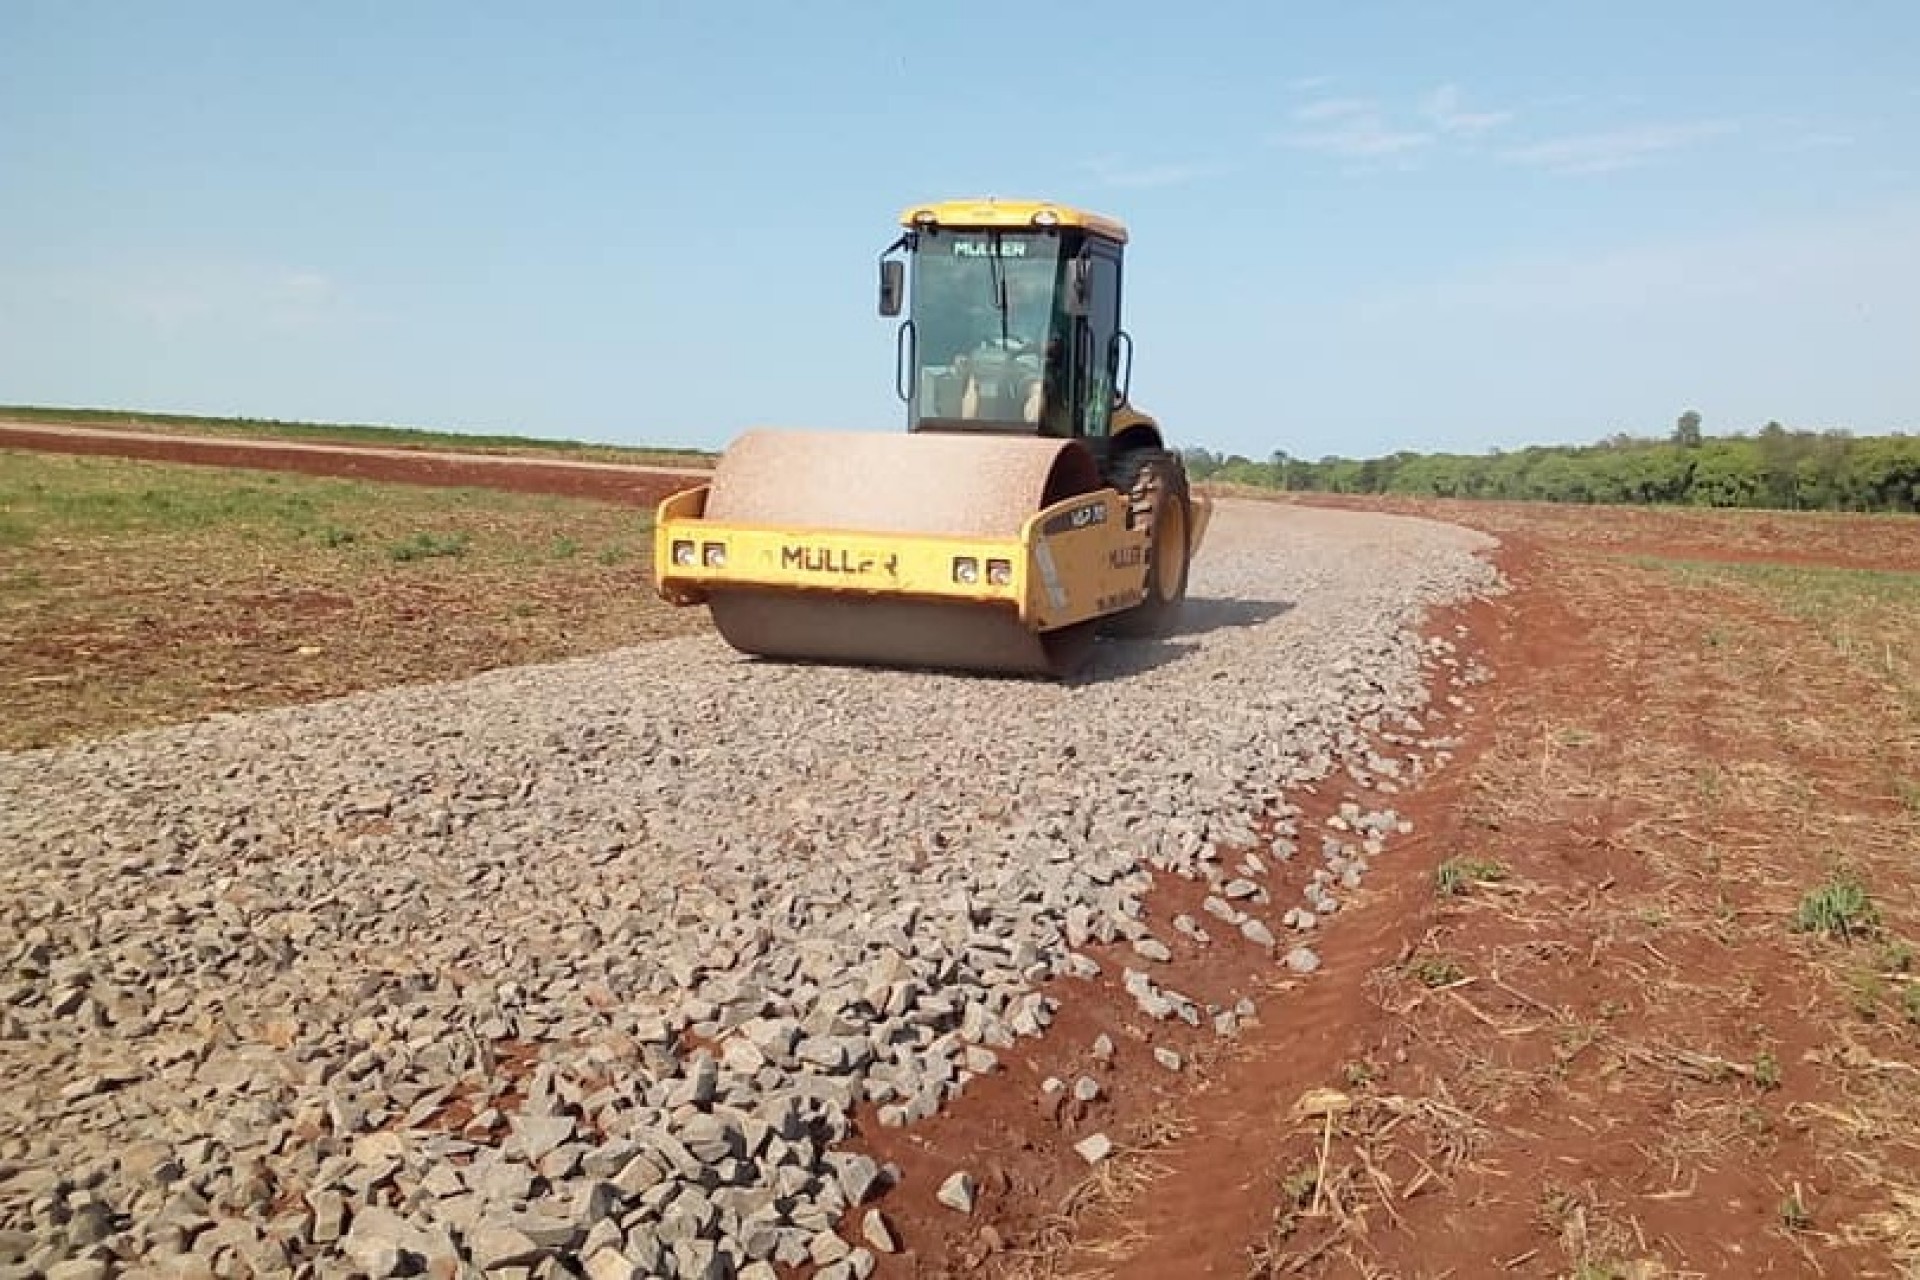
(1097, 359)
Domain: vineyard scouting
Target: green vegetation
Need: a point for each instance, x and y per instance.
(1841, 908)
(1600, 1269)
(137, 593)
(1868, 992)
(1871, 617)
(428, 546)
(54, 505)
(54, 497)
(347, 433)
(1884, 984)
(67, 503)
(1435, 971)
(1297, 1188)
(1773, 468)
(41, 505)
(1814, 592)
(1458, 874)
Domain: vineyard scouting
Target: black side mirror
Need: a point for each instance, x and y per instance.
(893, 285)
(1079, 287)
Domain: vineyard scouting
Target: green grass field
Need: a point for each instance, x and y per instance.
(350, 433)
(60, 499)
(1871, 617)
(134, 593)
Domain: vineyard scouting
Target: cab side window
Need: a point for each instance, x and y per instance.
(1103, 324)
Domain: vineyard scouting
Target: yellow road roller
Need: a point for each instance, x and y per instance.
(1028, 508)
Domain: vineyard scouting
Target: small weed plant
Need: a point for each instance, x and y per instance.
(1457, 875)
(1867, 990)
(1435, 971)
(1841, 908)
(428, 546)
(1297, 1187)
(1600, 1270)
(1909, 789)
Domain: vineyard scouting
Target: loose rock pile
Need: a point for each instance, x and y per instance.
(581, 969)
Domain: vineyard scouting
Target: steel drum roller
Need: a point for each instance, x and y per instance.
(984, 486)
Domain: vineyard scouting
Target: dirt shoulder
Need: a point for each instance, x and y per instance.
(1637, 1000)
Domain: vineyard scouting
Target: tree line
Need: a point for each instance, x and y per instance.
(1775, 467)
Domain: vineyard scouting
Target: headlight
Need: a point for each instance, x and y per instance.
(714, 555)
(683, 553)
(999, 572)
(966, 569)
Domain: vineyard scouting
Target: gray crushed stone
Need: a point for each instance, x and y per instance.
(589, 964)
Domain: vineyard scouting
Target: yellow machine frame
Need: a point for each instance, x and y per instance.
(1071, 562)
(976, 214)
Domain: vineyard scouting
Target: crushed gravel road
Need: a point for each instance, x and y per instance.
(581, 968)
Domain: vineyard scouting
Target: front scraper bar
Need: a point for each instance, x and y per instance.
(1071, 562)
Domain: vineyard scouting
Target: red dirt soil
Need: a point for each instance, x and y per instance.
(1196, 1187)
(1798, 538)
(606, 482)
(1638, 1102)
(1206, 1135)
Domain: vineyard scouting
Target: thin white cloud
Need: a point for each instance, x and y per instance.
(1613, 150)
(1334, 109)
(1819, 141)
(1351, 129)
(172, 297)
(1445, 108)
(1865, 263)
(1116, 171)
(1806, 321)
(1307, 84)
(1797, 133)
(167, 305)
(1365, 130)
(301, 298)
(1162, 175)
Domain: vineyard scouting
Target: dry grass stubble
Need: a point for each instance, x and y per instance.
(1661, 1073)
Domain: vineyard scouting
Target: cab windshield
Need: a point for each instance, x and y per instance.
(988, 329)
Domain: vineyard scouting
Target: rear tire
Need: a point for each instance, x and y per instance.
(1155, 483)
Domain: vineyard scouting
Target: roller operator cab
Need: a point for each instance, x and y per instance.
(1013, 320)
(1028, 507)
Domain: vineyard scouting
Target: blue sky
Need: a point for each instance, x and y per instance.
(1357, 228)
